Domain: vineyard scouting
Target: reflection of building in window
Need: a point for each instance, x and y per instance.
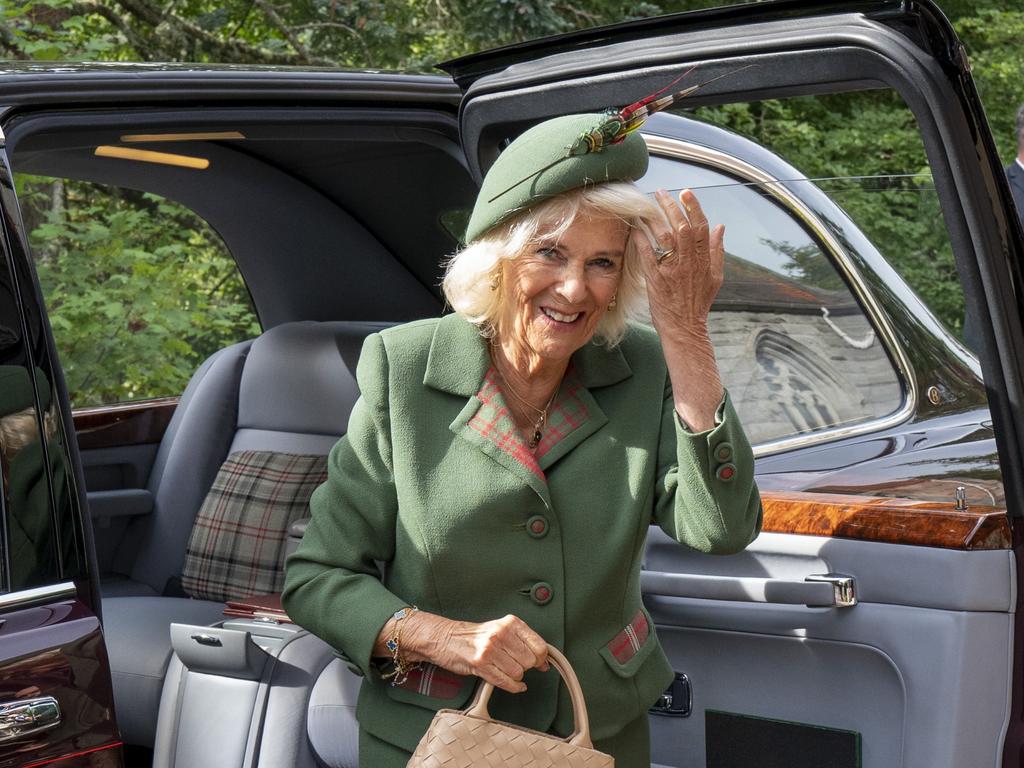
(808, 394)
(797, 358)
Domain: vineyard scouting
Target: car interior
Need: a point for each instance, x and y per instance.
(338, 220)
(348, 246)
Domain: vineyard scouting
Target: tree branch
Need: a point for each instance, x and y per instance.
(88, 7)
(186, 32)
(274, 18)
(10, 43)
(292, 38)
(580, 14)
(243, 20)
(327, 25)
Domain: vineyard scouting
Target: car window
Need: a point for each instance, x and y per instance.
(795, 348)
(863, 149)
(32, 461)
(139, 289)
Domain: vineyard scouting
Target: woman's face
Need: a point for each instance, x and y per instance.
(558, 290)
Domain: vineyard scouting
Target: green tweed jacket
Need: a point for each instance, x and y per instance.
(433, 480)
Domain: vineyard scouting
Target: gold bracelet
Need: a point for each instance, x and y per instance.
(394, 644)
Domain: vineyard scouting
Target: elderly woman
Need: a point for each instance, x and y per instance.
(504, 462)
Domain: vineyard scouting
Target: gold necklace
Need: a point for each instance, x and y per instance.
(542, 413)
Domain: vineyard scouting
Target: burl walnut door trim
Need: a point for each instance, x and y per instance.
(137, 423)
(893, 521)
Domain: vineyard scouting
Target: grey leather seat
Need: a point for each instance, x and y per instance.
(289, 391)
(331, 717)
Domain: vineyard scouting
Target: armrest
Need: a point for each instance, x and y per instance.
(127, 502)
(298, 528)
(829, 590)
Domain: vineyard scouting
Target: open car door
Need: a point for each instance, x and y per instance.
(875, 627)
(56, 704)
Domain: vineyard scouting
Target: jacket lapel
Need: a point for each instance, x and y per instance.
(459, 363)
(577, 415)
(486, 423)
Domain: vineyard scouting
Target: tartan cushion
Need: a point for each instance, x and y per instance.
(239, 534)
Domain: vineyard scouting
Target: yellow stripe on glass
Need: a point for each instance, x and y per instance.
(147, 156)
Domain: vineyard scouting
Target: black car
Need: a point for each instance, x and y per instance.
(873, 622)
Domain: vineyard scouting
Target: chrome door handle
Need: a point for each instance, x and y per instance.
(28, 716)
(844, 588)
(829, 590)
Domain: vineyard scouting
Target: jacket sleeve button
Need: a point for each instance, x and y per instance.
(726, 472)
(541, 593)
(537, 526)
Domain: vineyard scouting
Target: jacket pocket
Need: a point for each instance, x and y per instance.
(625, 653)
(433, 688)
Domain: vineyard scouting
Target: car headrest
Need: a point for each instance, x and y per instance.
(300, 377)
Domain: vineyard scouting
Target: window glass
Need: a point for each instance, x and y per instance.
(864, 150)
(29, 456)
(139, 289)
(796, 350)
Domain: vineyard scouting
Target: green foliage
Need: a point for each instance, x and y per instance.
(55, 30)
(139, 289)
(399, 34)
(993, 40)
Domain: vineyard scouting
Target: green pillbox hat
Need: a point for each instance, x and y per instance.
(539, 160)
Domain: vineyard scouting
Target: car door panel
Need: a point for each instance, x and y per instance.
(118, 445)
(116, 480)
(917, 667)
(828, 54)
(54, 672)
(921, 666)
(55, 651)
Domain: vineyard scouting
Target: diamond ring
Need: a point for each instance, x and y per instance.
(663, 253)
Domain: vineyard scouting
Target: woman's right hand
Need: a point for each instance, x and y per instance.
(498, 651)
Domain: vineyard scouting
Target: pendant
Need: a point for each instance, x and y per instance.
(536, 439)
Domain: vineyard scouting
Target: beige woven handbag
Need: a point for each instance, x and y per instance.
(465, 738)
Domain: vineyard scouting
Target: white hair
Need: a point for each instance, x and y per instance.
(21, 429)
(472, 271)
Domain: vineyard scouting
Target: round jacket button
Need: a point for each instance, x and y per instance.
(723, 452)
(537, 526)
(726, 472)
(541, 593)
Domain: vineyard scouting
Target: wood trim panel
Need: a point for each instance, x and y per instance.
(136, 423)
(894, 521)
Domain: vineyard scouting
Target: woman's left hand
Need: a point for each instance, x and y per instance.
(684, 271)
(682, 284)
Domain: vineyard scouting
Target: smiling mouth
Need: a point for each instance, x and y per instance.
(558, 317)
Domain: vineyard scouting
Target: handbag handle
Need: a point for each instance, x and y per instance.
(580, 737)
